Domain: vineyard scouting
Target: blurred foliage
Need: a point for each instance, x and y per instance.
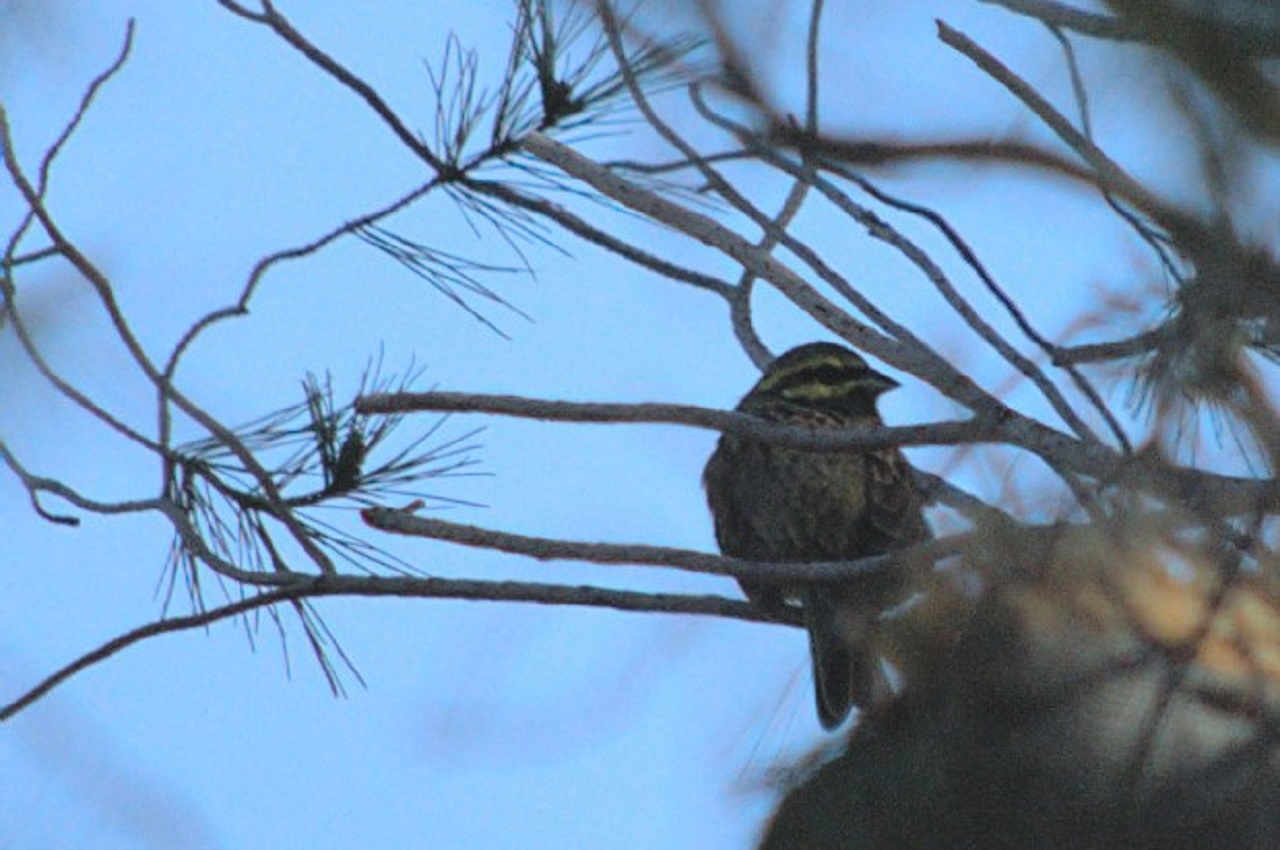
(1107, 688)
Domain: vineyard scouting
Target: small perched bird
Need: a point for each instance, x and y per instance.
(788, 505)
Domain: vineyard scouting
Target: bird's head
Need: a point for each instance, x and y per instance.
(823, 374)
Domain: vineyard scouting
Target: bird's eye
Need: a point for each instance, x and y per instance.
(829, 375)
(823, 380)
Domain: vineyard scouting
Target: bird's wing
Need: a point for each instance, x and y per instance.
(740, 508)
(893, 514)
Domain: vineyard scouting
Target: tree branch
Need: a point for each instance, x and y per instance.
(433, 588)
(730, 422)
(281, 26)
(404, 521)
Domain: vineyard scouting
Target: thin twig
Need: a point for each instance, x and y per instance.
(585, 230)
(1092, 352)
(86, 101)
(917, 360)
(106, 295)
(881, 230)
(263, 265)
(740, 302)
(42, 182)
(970, 257)
(811, 68)
(279, 24)
(1108, 172)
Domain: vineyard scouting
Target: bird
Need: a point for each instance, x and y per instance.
(782, 504)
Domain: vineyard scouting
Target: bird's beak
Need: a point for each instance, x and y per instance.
(880, 383)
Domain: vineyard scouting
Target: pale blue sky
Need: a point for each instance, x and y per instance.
(483, 725)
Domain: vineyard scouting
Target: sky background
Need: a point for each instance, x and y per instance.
(483, 725)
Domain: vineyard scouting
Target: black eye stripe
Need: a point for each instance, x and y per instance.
(817, 370)
(826, 374)
(821, 374)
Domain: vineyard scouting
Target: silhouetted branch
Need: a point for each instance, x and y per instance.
(299, 588)
(939, 433)
(550, 549)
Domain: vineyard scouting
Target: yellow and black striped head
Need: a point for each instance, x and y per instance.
(821, 375)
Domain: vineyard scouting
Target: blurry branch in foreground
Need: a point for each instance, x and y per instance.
(1111, 688)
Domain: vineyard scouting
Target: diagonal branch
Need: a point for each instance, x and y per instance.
(101, 285)
(1110, 175)
(914, 359)
(920, 258)
(281, 26)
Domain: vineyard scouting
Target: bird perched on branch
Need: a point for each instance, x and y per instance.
(791, 505)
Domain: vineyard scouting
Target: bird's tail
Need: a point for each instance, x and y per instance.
(846, 668)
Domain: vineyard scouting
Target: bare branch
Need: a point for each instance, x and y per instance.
(38, 484)
(886, 151)
(939, 433)
(1109, 174)
(884, 232)
(106, 295)
(916, 359)
(1217, 494)
(1006, 301)
(406, 522)
(7, 288)
(1143, 343)
(281, 26)
(432, 588)
(583, 229)
(1069, 17)
(263, 265)
(86, 101)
